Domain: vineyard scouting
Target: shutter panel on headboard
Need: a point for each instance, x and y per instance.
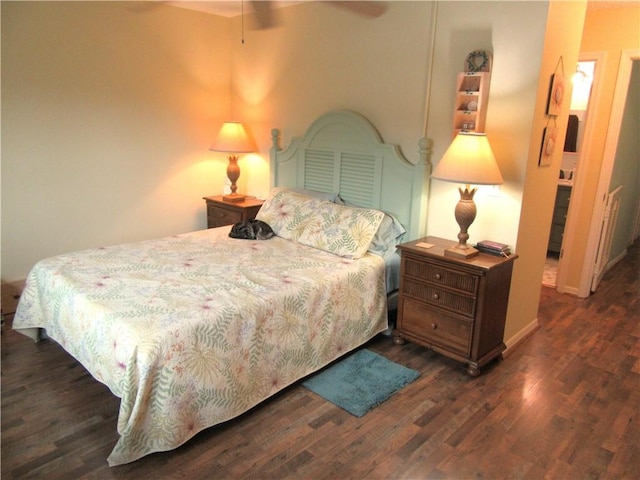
(355, 176)
(319, 170)
(360, 180)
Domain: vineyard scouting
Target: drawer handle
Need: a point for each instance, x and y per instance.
(436, 296)
(437, 276)
(434, 326)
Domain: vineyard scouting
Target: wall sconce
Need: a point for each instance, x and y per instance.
(233, 139)
(468, 160)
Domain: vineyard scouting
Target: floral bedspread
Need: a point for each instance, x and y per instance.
(195, 329)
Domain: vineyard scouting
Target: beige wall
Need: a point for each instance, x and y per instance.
(108, 110)
(323, 58)
(511, 104)
(131, 97)
(559, 55)
(607, 31)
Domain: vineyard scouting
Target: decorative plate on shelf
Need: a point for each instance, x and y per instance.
(472, 106)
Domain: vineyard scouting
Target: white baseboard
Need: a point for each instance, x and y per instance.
(570, 290)
(521, 336)
(614, 261)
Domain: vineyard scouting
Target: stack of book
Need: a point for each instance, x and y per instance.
(494, 248)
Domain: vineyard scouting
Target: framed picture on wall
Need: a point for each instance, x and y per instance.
(548, 146)
(556, 95)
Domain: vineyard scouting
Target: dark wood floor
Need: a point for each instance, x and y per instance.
(563, 405)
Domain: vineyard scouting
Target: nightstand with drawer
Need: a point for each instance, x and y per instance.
(221, 213)
(454, 306)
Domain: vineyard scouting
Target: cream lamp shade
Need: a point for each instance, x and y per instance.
(233, 139)
(468, 160)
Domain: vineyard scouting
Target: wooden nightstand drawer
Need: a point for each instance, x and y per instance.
(221, 213)
(463, 304)
(435, 273)
(435, 328)
(218, 216)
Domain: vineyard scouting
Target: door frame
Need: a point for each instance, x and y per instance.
(627, 58)
(577, 190)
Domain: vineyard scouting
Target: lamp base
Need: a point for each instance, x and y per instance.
(234, 197)
(465, 215)
(457, 252)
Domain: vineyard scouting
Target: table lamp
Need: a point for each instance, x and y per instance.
(233, 139)
(468, 160)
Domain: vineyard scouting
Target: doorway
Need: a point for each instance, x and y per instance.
(617, 171)
(582, 82)
(580, 199)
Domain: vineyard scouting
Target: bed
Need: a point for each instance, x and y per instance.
(192, 330)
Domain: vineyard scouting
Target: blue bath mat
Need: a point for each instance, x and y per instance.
(360, 382)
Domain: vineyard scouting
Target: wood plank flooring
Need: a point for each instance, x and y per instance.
(563, 405)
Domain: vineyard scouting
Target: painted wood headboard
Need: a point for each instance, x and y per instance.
(342, 152)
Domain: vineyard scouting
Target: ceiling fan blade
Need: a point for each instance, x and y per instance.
(366, 9)
(264, 14)
(146, 6)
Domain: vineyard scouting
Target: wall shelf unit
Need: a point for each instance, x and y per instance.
(472, 95)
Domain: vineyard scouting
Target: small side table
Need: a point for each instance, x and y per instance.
(221, 213)
(453, 306)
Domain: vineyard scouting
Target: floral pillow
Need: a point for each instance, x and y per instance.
(338, 229)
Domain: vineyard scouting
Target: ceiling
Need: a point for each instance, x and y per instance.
(225, 8)
(232, 8)
(607, 4)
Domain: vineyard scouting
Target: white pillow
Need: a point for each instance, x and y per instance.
(388, 236)
(338, 229)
